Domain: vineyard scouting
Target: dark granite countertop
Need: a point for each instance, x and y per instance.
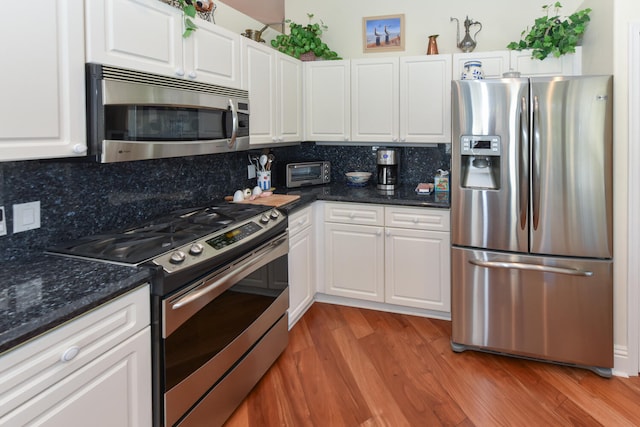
(405, 195)
(39, 294)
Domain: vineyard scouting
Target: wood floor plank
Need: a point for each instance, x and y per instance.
(361, 368)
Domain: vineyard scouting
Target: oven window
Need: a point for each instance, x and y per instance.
(157, 123)
(306, 173)
(221, 321)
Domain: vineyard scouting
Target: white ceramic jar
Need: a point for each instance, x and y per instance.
(472, 71)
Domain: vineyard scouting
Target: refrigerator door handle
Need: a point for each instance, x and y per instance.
(524, 164)
(535, 167)
(530, 267)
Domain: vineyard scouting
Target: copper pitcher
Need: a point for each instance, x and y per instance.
(432, 47)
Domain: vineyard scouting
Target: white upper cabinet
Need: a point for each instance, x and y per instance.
(566, 65)
(274, 82)
(327, 100)
(43, 100)
(375, 100)
(146, 35)
(498, 62)
(493, 63)
(425, 98)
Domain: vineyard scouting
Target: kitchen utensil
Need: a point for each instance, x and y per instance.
(270, 160)
(263, 161)
(255, 35)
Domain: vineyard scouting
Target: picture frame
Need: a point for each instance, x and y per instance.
(383, 33)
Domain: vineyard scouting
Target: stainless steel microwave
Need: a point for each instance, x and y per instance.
(133, 115)
(307, 173)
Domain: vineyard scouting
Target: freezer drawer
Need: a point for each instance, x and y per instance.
(557, 309)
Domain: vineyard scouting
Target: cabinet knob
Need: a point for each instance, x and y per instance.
(394, 139)
(180, 72)
(346, 138)
(193, 74)
(379, 233)
(352, 215)
(403, 139)
(79, 148)
(388, 232)
(70, 354)
(416, 220)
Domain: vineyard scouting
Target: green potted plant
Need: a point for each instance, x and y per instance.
(303, 42)
(553, 35)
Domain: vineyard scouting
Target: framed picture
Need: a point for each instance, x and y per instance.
(383, 33)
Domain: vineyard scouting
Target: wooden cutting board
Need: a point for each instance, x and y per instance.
(275, 200)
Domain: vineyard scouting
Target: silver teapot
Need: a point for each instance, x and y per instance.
(468, 43)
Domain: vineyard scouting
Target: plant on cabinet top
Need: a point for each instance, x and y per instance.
(303, 40)
(553, 35)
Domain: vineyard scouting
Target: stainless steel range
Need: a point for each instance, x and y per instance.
(219, 301)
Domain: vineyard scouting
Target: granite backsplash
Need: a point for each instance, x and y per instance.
(79, 199)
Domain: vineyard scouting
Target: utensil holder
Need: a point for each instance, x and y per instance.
(264, 179)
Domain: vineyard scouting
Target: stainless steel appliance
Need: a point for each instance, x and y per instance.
(219, 303)
(387, 161)
(132, 115)
(301, 174)
(531, 209)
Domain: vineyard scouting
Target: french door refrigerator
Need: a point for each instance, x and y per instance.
(531, 209)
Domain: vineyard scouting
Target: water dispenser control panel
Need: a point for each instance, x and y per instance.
(479, 145)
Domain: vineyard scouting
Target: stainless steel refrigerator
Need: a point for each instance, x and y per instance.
(531, 209)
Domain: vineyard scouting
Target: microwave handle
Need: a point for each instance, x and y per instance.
(234, 120)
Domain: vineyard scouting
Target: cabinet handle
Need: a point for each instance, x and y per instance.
(79, 149)
(394, 139)
(193, 75)
(352, 215)
(346, 138)
(70, 354)
(388, 233)
(416, 220)
(379, 233)
(180, 72)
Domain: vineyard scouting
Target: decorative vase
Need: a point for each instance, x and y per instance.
(432, 48)
(472, 71)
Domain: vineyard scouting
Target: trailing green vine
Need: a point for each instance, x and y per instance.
(304, 38)
(553, 35)
(189, 11)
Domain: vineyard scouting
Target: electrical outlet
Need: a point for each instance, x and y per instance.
(26, 216)
(3, 222)
(251, 171)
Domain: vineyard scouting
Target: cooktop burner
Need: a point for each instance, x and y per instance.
(141, 243)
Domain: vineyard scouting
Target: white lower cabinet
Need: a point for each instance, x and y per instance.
(94, 370)
(302, 265)
(388, 254)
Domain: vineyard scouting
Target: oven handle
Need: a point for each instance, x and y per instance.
(197, 294)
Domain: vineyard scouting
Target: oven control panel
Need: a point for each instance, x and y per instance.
(219, 242)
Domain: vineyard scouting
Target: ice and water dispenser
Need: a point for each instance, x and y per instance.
(480, 162)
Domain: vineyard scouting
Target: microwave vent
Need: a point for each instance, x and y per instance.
(140, 77)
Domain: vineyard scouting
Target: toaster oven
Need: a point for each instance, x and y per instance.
(307, 173)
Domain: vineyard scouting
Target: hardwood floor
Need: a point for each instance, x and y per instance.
(353, 367)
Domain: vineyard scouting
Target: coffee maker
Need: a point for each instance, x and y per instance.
(387, 160)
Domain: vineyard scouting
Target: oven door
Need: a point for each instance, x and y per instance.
(211, 326)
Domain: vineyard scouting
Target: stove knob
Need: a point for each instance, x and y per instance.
(177, 257)
(196, 249)
(264, 218)
(274, 214)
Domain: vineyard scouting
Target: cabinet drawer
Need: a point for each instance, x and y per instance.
(354, 213)
(37, 365)
(417, 218)
(300, 220)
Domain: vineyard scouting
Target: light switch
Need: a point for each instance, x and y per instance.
(26, 216)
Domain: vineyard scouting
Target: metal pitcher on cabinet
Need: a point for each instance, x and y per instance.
(468, 43)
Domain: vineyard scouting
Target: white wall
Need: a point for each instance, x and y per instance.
(502, 21)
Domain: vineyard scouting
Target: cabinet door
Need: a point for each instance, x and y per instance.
(327, 100)
(493, 63)
(289, 98)
(212, 55)
(112, 390)
(375, 100)
(425, 98)
(43, 100)
(566, 65)
(354, 257)
(417, 269)
(143, 35)
(301, 273)
(260, 81)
